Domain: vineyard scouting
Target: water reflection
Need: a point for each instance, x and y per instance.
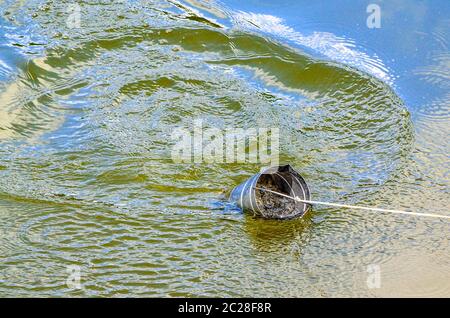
(268, 236)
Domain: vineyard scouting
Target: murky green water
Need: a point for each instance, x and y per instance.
(87, 178)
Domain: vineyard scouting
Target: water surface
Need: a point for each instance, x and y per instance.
(87, 178)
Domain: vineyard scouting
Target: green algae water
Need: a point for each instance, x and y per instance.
(87, 180)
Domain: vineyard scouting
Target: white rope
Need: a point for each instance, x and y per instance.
(356, 207)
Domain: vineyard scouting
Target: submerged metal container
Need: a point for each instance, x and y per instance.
(283, 179)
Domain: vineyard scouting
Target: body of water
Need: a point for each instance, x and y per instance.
(91, 92)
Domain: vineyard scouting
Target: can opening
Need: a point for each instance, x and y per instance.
(283, 179)
(273, 206)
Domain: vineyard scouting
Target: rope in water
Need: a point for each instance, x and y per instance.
(354, 206)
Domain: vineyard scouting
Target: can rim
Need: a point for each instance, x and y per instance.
(302, 184)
